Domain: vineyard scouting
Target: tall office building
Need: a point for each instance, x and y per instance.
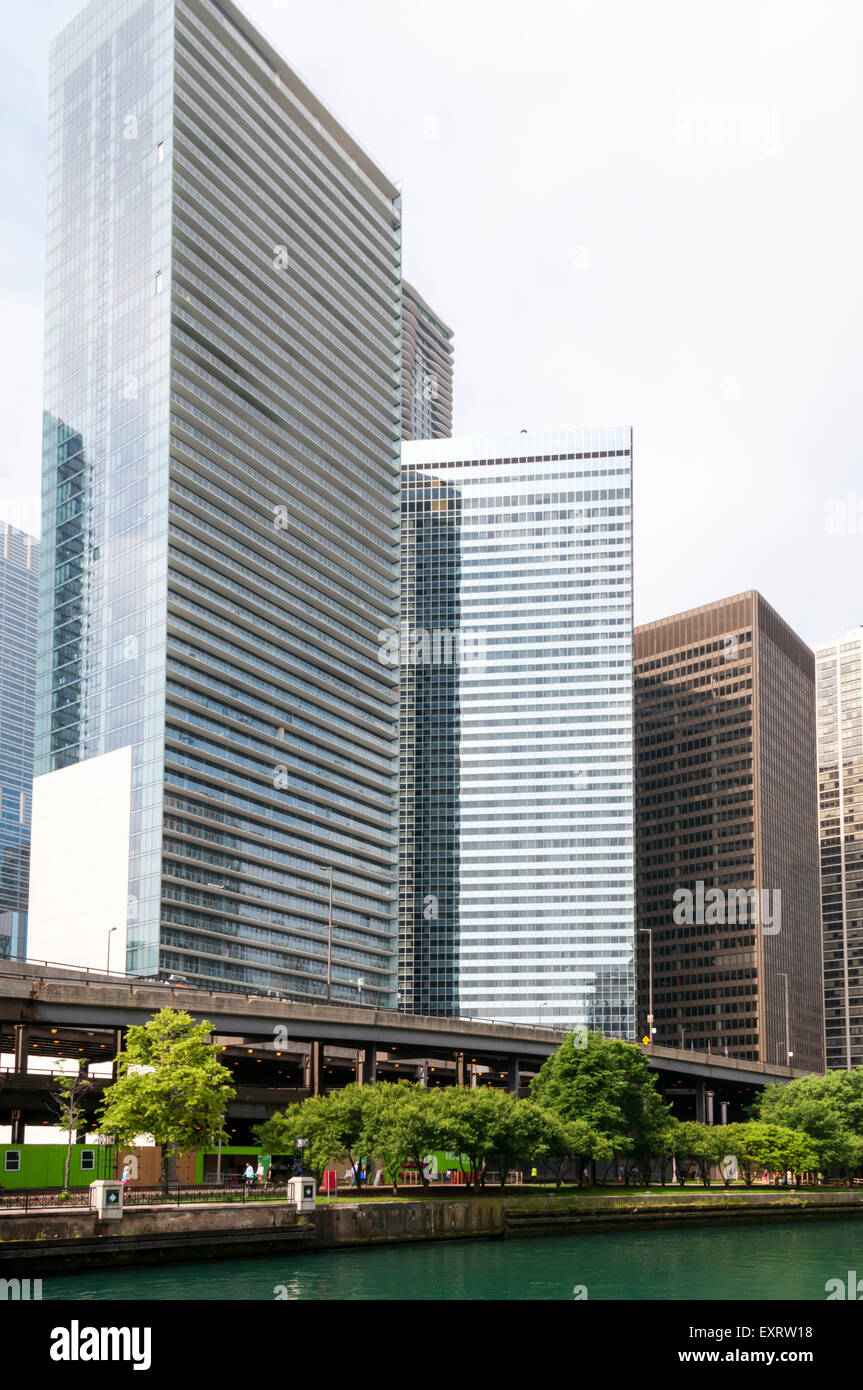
(427, 361)
(516, 872)
(220, 500)
(839, 689)
(19, 597)
(727, 833)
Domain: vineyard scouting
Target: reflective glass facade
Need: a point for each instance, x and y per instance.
(220, 495)
(427, 369)
(516, 875)
(19, 595)
(839, 667)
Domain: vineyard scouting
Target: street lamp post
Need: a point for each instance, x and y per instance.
(650, 1028)
(108, 964)
(330, 941)
(783, 975)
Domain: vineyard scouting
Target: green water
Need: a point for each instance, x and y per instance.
(791, 1260)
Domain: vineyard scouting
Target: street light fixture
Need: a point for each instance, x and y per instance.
(108, 964)
(783, 975)
(650, 1028)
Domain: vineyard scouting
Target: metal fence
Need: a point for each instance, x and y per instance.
(236, 1193)
(30, 1199)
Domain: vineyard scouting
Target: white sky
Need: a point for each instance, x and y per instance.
(630, 213)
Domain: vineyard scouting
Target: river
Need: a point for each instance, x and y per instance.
(773, 1260)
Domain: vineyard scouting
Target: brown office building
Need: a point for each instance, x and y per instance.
(727, 834)
(427, 360)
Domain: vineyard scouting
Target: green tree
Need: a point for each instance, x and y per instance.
(69, 1091)
(400, 1122)
(574, 1139)
(774, 1148)
(828, 1109)
(665, 1146)
(309, 1120)
(345, 1113)
(607, 1084)
(170, 1085)
(474, 1123)
(695, 1143)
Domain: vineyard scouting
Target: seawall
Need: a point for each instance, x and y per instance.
(50, 1241)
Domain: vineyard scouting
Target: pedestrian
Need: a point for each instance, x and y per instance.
(127, 1172)
(249, 1174)
(259, 1173)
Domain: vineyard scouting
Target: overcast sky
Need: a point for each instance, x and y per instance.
(629, 213)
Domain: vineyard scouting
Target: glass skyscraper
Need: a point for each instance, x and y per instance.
(516, 877)
(220, 495)
(839, 703)
(19, 595)
(427, 370)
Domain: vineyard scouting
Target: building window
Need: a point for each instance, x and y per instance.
(88, 1160)
(12, 1161)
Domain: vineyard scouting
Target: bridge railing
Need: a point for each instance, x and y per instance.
(31, 967)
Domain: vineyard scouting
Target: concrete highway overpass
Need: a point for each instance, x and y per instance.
(281, 1050)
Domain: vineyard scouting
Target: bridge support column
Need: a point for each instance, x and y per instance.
(119, 1040)
(312, 1069)
(460, 1070)
(367, 1065)
(513, 1075)
(700, 1103)
(22, 1034)
(17, 1136)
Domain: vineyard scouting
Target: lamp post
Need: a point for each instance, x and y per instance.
(330, 940)
(783, 975)
(108, 965)
(650, 1028)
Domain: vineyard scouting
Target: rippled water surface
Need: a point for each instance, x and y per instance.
(789, 1260)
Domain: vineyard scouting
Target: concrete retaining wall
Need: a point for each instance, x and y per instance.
(41, 1242)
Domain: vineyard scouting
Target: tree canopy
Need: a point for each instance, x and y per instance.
(170, 1085)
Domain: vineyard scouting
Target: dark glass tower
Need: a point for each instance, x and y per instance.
(19, 596)
(220, 495)
(840, 779)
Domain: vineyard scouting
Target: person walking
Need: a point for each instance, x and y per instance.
(249, 1174)
(127, 1172)
(259, 1173)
